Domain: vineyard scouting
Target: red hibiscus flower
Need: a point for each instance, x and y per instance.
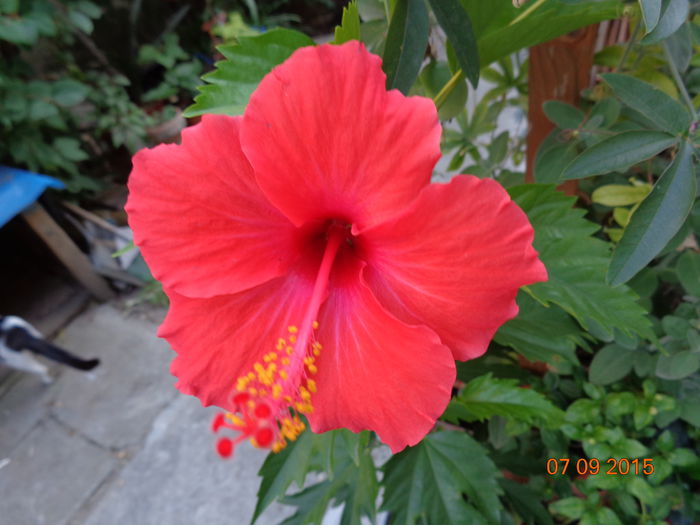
(311, 266)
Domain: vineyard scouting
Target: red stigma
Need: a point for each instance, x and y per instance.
(224, 447)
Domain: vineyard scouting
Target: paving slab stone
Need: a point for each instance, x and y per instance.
(178, 479)
(24, 402)
(115, 403)
(49, 475)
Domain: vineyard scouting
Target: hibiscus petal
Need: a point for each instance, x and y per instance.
(327, 140)
(454, 261)
(219, 339)
(202, 223)
(376, 372)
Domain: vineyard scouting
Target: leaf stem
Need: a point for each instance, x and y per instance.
(441, 97)
(527, 12)
(628, 47)
(679, 81)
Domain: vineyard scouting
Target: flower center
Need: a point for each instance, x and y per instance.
(267, 402)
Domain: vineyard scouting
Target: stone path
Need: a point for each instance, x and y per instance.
(118, 445)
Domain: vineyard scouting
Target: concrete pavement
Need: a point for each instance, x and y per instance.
(118, 445)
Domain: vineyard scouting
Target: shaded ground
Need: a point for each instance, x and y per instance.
(117, 445)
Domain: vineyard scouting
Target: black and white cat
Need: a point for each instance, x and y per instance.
(18, 338)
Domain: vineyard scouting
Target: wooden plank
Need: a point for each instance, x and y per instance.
(559, 70)
(67, 252)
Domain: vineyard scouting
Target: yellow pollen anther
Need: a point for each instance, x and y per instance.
(283, 374)
(281, 343)
(290, 350)
(292, 338)
(314, 325)
(312, 369)
(311, 384)
(285, 361)
(293, 329)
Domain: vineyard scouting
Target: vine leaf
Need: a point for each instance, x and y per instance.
(577, 264)
(428, 482)
(229, 87)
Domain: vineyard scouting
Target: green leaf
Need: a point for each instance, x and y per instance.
(657, 219)
(576, 263)
(487, 396)
(620, 194)
(433, 77)
(651, 10)
(563, 115)
(551, 162)
(618, 153)
(610, 364)
(673, 14)
(427, 482)
(680, 47)
(688, 269)
(18, 30)
(502, 29)
(234, 80)
(281, 469)
(542, 333)
(525, 502)
(650, 101)
(406, 42)
(455, 21)
(349, 28)
(352, 484)
(69, 92)
(678, 365)
(70, 149)
(80, 20)
(571, 508)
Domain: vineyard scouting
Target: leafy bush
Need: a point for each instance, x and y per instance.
(585, 407)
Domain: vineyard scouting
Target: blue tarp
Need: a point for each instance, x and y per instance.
(19, 189)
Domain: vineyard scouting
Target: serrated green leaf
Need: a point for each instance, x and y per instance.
(487, 396)
(406, 42)
(428, 482)
(525, 502)
(563, 115)
(576, 264)
(611, 363)
(618, 153)
(229, 87)
(281, 469)
(657, 219)
(688, 269)
(620, 194)
(349, 28)
(651, 11)
(673, 14)
(353, 485)
(650, 101)
(541, 333)
(18, 30)
(455, 21)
